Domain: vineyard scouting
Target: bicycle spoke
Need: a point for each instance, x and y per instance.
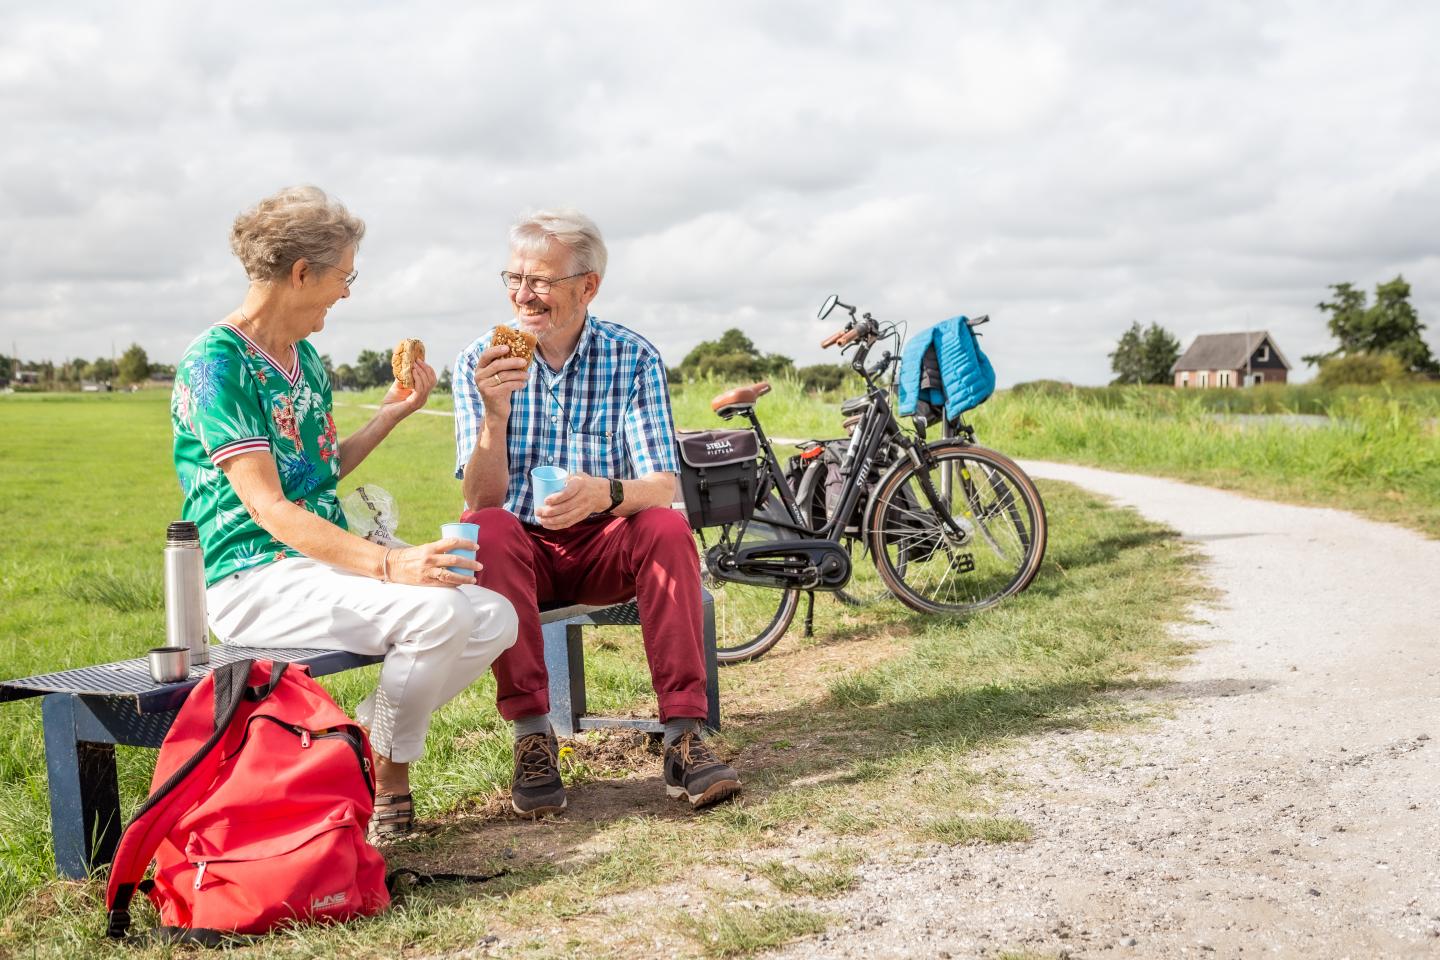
(921, 557)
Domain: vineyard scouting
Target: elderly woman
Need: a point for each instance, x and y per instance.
(259, 460)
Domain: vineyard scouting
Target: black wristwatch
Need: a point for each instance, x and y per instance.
(617, 495)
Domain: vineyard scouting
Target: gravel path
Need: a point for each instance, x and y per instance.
(1288, 807)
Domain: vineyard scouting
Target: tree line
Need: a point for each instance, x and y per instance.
(133, 367)
(1376, 342)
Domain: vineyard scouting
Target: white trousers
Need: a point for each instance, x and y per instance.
(436, 640)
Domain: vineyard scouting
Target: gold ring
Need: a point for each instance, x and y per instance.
(496, 378)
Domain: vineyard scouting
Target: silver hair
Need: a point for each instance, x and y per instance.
(570, 228)
(296, 223)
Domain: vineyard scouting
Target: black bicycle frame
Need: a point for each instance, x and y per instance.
(877, 426)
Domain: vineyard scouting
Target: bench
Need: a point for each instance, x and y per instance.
(88, 710)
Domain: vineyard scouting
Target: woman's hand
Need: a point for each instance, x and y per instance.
(424, 565)
(403, 401)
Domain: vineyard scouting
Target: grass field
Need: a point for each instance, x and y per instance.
(1377, 452)
(882, 710)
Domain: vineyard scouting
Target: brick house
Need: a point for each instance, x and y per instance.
(1231, 360)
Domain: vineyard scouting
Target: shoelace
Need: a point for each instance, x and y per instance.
(537, 761)
(695, 754)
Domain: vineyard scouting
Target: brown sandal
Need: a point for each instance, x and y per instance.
(394, 816)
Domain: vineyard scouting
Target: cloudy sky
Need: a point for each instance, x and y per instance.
(1064, 167)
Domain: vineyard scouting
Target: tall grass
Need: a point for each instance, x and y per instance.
(1378, 452)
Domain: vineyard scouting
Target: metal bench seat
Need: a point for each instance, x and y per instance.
(86, 711)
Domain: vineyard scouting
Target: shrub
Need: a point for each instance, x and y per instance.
(1362, 369)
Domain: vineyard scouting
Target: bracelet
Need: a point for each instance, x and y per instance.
(385, 566)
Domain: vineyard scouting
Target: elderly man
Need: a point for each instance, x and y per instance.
(594, 402)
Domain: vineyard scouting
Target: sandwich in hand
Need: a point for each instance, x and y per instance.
(406, 355)
(521, 344)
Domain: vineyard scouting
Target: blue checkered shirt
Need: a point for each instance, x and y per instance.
(606, 412)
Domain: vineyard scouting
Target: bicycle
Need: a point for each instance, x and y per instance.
(950, 526)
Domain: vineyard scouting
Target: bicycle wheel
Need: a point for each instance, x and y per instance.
(749, 620)
(1001, 530)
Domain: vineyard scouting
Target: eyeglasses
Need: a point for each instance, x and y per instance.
(349, 278)
(537, 285)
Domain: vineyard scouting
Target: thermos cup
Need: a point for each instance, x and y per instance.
(185, 592)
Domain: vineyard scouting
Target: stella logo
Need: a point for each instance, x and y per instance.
(326, 903)
(717, 446)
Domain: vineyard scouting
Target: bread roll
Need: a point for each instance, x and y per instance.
(403, 361)
(521, 344)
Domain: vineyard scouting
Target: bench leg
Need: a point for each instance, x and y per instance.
(84, 789)
(565, 663)
(712, 665)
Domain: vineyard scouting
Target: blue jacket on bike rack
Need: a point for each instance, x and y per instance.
(966, 378)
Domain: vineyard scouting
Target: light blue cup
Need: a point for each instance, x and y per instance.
(464, 531)
(547, 480)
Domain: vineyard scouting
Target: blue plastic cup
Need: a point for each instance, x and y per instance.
(464, 531)
(547, 480)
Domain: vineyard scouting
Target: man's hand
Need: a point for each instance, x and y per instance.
(583, 495)
(400, 401)
(497, 376)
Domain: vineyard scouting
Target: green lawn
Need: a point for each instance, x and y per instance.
(881, 709)
(1377, 452)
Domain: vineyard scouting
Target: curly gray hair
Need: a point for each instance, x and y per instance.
(570, 228)
(296, 223)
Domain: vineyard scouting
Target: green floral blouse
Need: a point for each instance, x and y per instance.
(231, 397)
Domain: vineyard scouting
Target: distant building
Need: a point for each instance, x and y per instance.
(1231, 360)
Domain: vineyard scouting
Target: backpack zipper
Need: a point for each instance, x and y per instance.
(200, 872)
(305, 738)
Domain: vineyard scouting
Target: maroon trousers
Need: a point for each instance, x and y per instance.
(649, 556)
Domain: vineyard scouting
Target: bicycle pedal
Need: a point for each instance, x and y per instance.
(964, 563)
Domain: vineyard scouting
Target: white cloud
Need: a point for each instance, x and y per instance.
(1066, 168)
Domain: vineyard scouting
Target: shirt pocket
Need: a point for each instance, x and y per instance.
(598, 446)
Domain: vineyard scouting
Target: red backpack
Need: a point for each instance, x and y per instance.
(257, 812)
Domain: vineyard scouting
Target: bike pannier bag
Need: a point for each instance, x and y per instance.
(257, 813)
(719, 475)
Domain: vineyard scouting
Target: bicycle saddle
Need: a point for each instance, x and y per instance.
(731, 401)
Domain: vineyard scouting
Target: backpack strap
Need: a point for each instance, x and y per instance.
(256, 694)
(415, 879)
(164, 806)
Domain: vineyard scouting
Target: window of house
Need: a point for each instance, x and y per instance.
(1263, 354)
(1224, 378)
(1184, 379)
(1204, 379)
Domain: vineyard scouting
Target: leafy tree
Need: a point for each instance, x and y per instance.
(446, 383)
(372, 368)
(343, 378)
(134, 365)
(733, 356)
(8, 367)
(1390, 326)
(1144, 355)
(103, 369)
(821, 377)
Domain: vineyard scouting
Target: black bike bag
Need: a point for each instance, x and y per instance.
(719, 475)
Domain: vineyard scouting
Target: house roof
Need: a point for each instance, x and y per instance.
(1225, 351)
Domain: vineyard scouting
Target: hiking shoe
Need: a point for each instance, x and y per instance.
(536, 790)
(693, 772)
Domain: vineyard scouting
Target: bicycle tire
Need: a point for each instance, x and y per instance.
(749, 620)
(1003, 531)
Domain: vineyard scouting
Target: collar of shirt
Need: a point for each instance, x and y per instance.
(577, 356)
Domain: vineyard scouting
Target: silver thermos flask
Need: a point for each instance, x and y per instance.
(185, 624)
